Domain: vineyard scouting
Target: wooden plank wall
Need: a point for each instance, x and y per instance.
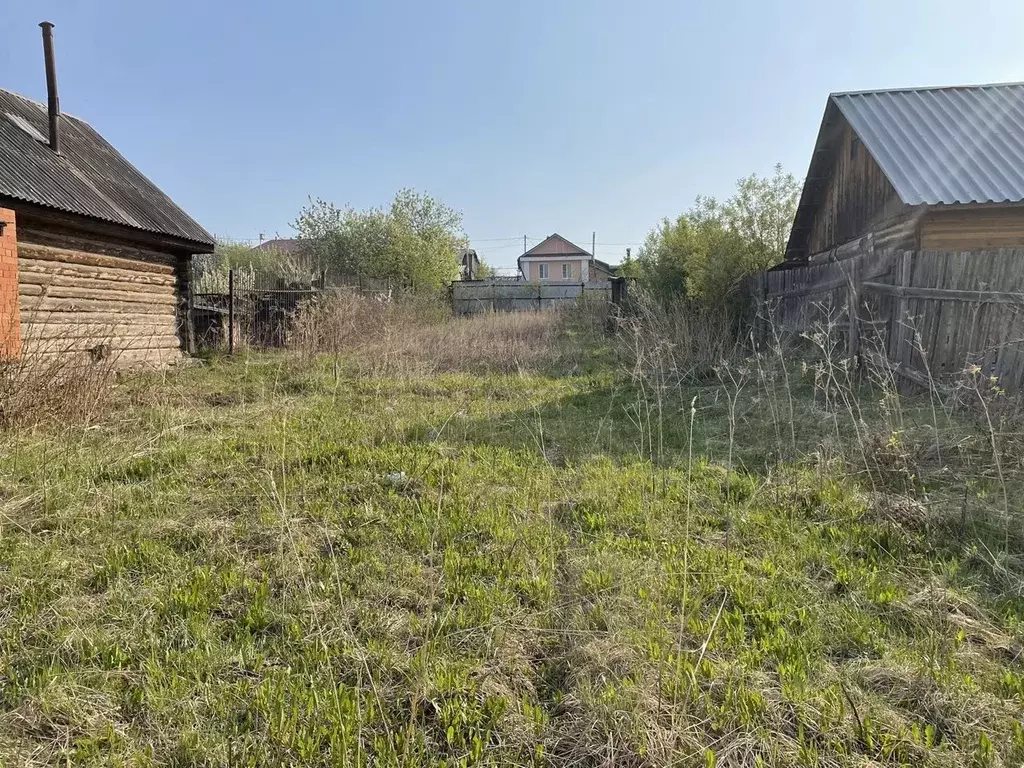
(857, 196)
(972, 228)
(930, 314)
(98, 306)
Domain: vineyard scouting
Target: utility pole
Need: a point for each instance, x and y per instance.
(593, 250)
(524, 243)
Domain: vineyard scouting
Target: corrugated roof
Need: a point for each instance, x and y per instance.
(944, 145)
(89, 177)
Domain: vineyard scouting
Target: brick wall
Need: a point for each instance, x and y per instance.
(10, 322)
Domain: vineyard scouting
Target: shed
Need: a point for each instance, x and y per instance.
(469, 264)
(93, 256)
(914, 169)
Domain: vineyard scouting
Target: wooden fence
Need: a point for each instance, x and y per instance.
(476, 296)
(930, 315)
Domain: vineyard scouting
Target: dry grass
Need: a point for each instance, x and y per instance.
(682, 342)
(416, 335)
(54, 383)
(425, 539)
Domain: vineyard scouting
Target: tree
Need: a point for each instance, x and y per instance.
(484, 271)
(629, 266)
(706, 252)
(762, 212)
(414, 242)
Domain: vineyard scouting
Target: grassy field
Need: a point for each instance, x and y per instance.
(573, 560)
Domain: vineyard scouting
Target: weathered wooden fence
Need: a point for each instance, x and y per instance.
(930, 315)
(476, 296)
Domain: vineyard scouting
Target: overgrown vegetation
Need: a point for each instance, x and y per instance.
(705, 253)
(514, 540)
(414, 242)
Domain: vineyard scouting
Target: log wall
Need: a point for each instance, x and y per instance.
(77, 298)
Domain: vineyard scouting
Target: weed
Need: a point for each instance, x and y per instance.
(484, 542)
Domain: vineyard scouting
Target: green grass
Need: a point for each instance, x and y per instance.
(257, 562)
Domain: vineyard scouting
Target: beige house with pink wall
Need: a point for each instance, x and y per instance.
(555, 260)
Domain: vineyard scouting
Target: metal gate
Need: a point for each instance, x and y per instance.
(248, 309)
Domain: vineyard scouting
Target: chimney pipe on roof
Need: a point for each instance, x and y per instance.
(52, 100)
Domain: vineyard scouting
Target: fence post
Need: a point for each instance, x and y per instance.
(231, 311)
(761, 324)
(190, 327)
(900, 331)
(902, 351)
(853, 311)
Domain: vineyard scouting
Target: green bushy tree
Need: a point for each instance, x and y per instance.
(414, 241)
(705, 253)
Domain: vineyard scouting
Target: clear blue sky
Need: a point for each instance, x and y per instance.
(529, 117)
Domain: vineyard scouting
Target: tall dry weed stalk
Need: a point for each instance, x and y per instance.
(936, 444)
(59, 381)
(415, 334)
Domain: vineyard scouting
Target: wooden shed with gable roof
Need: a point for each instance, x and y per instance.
(916, 169)
(93, 256)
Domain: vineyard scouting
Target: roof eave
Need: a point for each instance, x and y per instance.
(139, 234)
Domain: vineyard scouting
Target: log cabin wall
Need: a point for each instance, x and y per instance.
(857, 196)
(98, 298)
(971, 228)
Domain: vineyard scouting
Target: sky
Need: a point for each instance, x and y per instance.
(528, 116)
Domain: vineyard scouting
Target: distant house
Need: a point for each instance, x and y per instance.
(600, 270)
(555, 259)
(281, 245)
(93, 256)
(914, 169)
(469, 265)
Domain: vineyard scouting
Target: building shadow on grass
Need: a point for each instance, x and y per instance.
(621, 423)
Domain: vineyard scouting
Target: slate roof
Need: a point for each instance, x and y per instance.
(89, 178)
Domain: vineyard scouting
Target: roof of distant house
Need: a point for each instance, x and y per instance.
(556, 245)
(281, 244)
(88, 178)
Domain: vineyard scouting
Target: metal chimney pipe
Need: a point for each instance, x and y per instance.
(52, 100)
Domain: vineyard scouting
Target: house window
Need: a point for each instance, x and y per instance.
(566, 271)
(542, 270)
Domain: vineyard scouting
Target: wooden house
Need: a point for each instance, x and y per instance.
(934, 169)
(93, 256)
